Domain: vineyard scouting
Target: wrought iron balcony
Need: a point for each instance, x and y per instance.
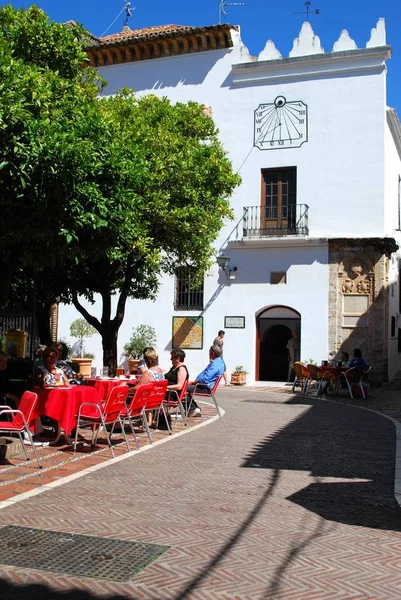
(275, 221)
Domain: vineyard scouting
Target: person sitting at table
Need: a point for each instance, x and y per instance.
(345, 359)
(152, 373)
(141, 368)
(48, 373)
(7, 398)
(357, 360)
(205, 381)
(178, 374)
(74, 378)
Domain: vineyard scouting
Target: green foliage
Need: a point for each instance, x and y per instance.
(142, 336)
(105, 195)
(240, 369)
(81, 329)
(48, 118)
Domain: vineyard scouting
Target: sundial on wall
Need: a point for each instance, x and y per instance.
(281, 124)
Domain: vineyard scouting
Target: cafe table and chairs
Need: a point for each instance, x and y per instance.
(320, 376)
(104, 385)
(21, 418)
(61, 404)
(334, 371)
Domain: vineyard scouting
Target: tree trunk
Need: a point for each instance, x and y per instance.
(43, 323)
(109, 343)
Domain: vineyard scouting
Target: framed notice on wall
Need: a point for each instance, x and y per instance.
(188, 333)
(234, 322)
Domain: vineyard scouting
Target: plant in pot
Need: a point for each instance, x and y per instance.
(81, 329)
(142, 336)
(238, 377)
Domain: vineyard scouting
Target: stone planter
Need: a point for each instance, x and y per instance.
(133, 365)
(238, 378)
(85, 365)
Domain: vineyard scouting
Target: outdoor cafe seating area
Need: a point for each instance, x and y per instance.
(84, 425)
(335, 379)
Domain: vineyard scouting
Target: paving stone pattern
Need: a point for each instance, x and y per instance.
(283, 498)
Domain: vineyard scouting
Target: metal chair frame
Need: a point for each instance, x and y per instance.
(177, 402)
(206, 394)
(136, 410)
(156, 403)
(107, 414)
(26, 418)
(351, 374)
(301, 376)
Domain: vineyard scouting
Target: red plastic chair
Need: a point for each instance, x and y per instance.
(207, 394)
(174, 400)
(98, 415)
(21, 420)
(156, 402)
(137, 409)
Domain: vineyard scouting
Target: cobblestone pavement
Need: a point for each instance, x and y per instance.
(284, 497)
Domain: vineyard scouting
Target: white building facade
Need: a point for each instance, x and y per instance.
(317, 217)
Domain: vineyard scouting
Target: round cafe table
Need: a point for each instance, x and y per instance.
(62, 403)
(104, 386)
(335, 374)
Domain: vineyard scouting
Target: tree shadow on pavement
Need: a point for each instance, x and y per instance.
(356, 447)
(36, 591)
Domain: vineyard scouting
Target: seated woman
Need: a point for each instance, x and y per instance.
(153, 373)
(48, 373)
(178, 373)
(141, 368)
(74, 378)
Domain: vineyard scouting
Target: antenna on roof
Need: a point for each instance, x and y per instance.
(128, 14)
(223, 4)
(308, 10)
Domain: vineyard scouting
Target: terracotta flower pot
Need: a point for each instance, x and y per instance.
(238, 378)
(133, 365)
(85, 365)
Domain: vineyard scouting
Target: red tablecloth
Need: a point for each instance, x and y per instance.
(104, 386)
(62, 403)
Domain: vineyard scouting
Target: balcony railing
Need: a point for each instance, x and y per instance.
(275, 221)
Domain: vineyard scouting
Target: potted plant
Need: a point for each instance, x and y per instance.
(142, 336)
(81, 329)
(238, 377)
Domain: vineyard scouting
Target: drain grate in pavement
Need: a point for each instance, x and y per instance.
(79, 555)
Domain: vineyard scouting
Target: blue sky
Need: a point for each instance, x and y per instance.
(259, 20)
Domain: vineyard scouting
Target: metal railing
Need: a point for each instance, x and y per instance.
(275, 221)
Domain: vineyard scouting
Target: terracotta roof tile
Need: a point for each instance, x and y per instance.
(160, 31)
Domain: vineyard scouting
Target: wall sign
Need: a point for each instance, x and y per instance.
(188, 333)
(280, 124)
(234, 322)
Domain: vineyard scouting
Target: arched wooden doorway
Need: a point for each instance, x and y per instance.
(274, 326)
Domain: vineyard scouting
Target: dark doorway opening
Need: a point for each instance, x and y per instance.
(273, 335)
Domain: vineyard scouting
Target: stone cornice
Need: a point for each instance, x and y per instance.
(312, 66)
(278, 242)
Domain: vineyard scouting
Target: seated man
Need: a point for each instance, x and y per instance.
(6, 397)
(205, 381)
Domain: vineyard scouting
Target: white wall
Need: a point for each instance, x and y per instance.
(340, 168)
(340, 175)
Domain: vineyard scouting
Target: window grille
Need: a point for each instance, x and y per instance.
(188, 295)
